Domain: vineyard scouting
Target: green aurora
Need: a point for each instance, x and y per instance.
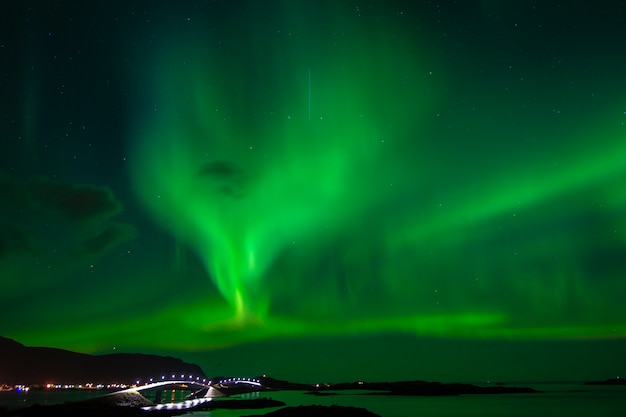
(330, 173)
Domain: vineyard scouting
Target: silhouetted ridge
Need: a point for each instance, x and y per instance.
(40, 365)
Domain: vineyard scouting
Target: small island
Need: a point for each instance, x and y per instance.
(611, 381)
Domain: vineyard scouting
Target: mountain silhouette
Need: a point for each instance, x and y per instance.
(20, 364)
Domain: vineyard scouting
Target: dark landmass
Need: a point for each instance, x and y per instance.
(40, 365)
(398, 388)
(279, 384)
(438, 388)
(320, 411)
(612, 381)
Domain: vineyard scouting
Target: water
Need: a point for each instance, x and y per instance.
(13, 399)
(556, 400)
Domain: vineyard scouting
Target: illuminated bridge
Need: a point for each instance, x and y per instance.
(200, 392)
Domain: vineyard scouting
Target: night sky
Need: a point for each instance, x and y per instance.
(318, 190)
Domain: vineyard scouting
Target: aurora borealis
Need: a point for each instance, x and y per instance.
(299, 188)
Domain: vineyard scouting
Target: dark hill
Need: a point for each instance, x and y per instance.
(20, 364)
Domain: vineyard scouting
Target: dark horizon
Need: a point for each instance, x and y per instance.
(450, 367)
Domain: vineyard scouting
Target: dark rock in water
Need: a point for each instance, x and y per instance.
(321, 411)
(612, 381)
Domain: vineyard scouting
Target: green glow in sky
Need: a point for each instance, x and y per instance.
(317, 187)
(229, 176)
(245, 185)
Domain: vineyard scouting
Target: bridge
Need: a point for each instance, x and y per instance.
(201, 392)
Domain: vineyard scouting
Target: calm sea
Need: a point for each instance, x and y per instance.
(555, 400)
